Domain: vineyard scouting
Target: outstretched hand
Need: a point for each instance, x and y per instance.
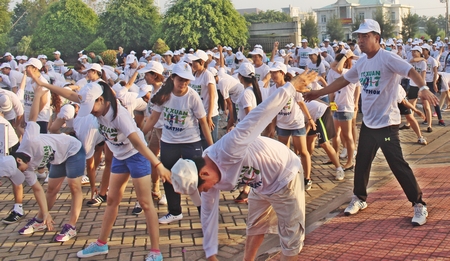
(429, 96)
(301, 81)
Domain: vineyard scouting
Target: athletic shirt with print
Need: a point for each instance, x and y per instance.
(86, 129)
(229, 60)
(419, 67)
(160, 123)
(345, 97)
(116, 132)
(303, 54)
(46, 148)
(261, 71)
(318, 69)
(229, 86)
(28, 98)
(200, 84)
(247, 99)
(379, 78)
(316, 109)
(180, 117)
(167, 69)
(291, 116)
(431, 63)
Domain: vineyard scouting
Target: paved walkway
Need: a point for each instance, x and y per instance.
(183, 240)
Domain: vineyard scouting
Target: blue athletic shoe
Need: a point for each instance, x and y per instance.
(93, 250)
(154, 257)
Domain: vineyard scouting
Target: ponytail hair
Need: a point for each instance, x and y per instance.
(288, 77)
(108, 95)
(164, 93)
(56, 102)
(102, 75)
(319, 60)
(255, 86)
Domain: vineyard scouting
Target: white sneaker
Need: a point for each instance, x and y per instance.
(343, 154)
(42, 175)
(355, 206)
(340, 174)
(162, 200)
(169, 218)
(84, 180)
(420, 215)
(422, 141)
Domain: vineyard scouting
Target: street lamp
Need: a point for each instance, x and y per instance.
(446, 16)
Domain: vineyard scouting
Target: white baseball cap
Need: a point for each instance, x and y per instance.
(153, 66)
(144, 51)
(34, 62)
(183, 70)
(88, 94)
(168, 53)
(240, 56)
(94, 66)
(282, 52)
(5, 103)
(24, 57)
(198, 55)
(132, 53)
(5, 65)
(304, 41)
(213, 71)
(81, 52)
(314, 51)
(7, 54)
(426, 46)
(410, 40)
(417, 48)
(185, 180)
(144, 89)
(277, 66)
(131, 58)
(369, 25)
(323, 50)
(10, 170)
(176, 53)
(246, 70)
(229, 49)
(57, 52)
(257, 51)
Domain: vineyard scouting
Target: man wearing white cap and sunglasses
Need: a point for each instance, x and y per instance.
(244, 157)
(379, 73)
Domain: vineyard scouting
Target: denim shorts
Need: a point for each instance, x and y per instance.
(343, 116)
(137, 165)
(72, 168)
(288, 133)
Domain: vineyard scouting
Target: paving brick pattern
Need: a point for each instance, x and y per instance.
(183, 240)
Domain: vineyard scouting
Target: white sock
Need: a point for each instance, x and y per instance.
(339, 168)
(18, 208)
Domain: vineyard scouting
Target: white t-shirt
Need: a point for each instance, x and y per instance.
(82, 82)
(127, 99)
(319, 69)
(17, 107)
(200, 84)
(245, 157)
(445, 81)
(229, 86)
(345, 97)
(167, 69)
(303, 54)
(15, 78)
(160, 123)
(247, 99)
(316, 109)
(46, 148)
(76, 76)
(229, 60)
(401, 95)
(261, 72)
(116, 132)
(180, 117)
(12, 136)
(291, 116)
(86, 129)
(379, 77)
(431, 63)
(45, 113)
(67, 113)
(419, 67)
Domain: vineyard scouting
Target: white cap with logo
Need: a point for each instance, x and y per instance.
(185, 180)
(278, 66)
(183, 70)
(369, 25)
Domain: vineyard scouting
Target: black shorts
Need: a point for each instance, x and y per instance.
(324, 127)
(403, 109)
(413, 92)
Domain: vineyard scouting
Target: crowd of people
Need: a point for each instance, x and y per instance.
(159, 118)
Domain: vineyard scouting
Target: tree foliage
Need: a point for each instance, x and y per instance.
(387, 28)
(309, 28)
(97, 46)
(67, 26)
(203, 24)
(432, 28)
(109, 57)
(270, 16)
(335, 29)
(5, 24)
(24, 46)
(160, 46)
(410, 25)
(130, 24)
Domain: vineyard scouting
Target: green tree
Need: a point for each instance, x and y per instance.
(387, 28)
(270, 16)
(335, 29)
(356, 22)
(5, 24)
(130, 24)
(160, 46)
(309, 29)
(432, 28)
(410, 25)
(24, 46)
(67, 26)
(203, 24)
(97, 46)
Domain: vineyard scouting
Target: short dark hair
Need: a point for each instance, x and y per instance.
(199, 164)
(24, 157)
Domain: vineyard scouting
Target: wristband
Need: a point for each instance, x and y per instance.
(423, 88)
(157, 164)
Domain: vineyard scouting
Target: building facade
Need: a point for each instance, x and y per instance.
(350, 11)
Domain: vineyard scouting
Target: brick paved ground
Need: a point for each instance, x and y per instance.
(183, 240)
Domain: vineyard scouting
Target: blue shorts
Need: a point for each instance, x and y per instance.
(343, 116)
(72, 168)
(287, 133)
(137, 165)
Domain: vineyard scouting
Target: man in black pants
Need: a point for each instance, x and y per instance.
(378, 73)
